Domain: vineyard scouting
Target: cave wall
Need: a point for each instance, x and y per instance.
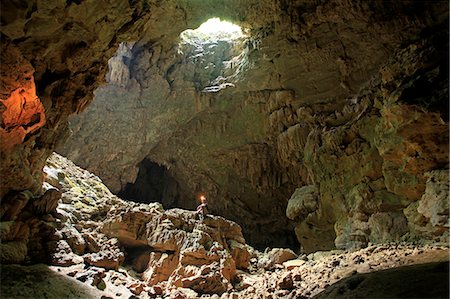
(65, 54)
(311, 107)
(54, 54)
(64, 46)
(328, 98)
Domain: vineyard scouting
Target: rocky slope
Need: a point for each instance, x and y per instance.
(346, 98)
(100, 246)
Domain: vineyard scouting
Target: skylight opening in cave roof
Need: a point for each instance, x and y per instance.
(213, 29)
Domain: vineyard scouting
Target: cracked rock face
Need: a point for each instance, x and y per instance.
(348, 97)
(354, 107)
(170, 248)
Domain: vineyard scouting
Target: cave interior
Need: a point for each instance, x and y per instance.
(317, 130)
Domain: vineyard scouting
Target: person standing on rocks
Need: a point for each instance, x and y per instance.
(202, 209)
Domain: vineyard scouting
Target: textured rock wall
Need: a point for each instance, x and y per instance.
(58, 48)
(347, 96)
(333, 95)
(22, 115)
(65, 46)
(369, 159)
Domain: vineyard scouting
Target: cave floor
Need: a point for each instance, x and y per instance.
(92, 257)
(379, 271)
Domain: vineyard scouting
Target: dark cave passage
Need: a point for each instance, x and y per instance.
(154, 183)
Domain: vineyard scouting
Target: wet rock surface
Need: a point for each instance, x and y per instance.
(104, 247)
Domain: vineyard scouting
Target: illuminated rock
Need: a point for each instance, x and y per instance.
(22, 114)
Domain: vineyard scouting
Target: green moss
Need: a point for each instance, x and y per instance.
(79, 205)
(88, 200)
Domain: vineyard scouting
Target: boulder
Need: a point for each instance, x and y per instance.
(159, 266)
(303, 202)
(48, 202)
(61, 254)
(434, 202)
(74, 239)
(182, 250)
(286, 282)
(240, 254)
(276, 256)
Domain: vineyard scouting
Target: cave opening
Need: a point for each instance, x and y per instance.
(218, 50)
(154, 183)
(212, 30)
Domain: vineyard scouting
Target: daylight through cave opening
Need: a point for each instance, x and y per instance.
(218, 50)
(322, 126)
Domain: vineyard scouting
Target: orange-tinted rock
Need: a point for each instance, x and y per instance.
(136, 288)
(240, 254)
(286, 282)
(211, 283)
(182, 250)
(22, 114)
(159, 267)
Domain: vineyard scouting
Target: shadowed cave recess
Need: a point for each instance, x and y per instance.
(154, 183)
(317, 130)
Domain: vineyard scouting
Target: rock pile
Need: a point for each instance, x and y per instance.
(106, 247)
(166, 249)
